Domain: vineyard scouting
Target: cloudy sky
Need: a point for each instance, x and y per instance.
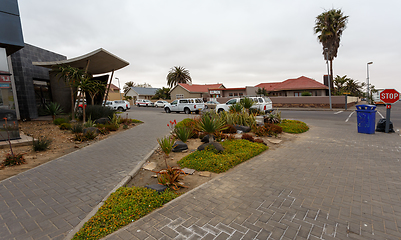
(237, 43)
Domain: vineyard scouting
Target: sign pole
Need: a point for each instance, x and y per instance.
(388, 112)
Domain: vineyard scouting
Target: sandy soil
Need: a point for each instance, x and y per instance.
(146, 177)
(62, 144)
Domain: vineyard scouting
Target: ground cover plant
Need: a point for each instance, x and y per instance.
(124, 206)
(235, 152)
(293, 126)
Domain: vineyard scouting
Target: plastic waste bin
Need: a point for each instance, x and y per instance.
(366, 118)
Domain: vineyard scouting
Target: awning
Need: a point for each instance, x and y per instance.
(100, 62)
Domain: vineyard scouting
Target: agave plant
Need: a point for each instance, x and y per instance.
(247, 103)
(211, 123)
(236, 108)
(170, 177)
(54, 109)
(166, 144)
(183, 132)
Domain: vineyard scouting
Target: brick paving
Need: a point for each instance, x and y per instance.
(50, 200)
(328, 183)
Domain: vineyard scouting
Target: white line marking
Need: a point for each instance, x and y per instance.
(349, 116)
(338, 112)
(380, 114)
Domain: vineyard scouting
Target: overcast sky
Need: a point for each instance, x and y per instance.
(237, 43)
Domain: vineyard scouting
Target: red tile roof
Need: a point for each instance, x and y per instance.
(113, 87)
(198, 88)
(301, 83)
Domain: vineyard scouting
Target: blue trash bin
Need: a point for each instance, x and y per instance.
(366, 118)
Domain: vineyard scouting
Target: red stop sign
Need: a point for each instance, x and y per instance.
(389, 96)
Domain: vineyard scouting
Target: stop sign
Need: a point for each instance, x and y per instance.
(389, 96)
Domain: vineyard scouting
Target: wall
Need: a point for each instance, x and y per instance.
(180, 90)
(313, 101)
(11, 37)
(25, 72)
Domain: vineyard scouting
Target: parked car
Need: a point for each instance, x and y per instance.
(186, 105)
(117, 105)
(128, 104)
(160, 103)
(144, 103)
(263, 104)
(211, 104)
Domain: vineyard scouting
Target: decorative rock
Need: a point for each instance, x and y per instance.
(275, 141)
(242, 128)
(205, 139)
(216, 145)
(158, 187)
(101, 121)
(188, 171)
(154, 176)
(149, 166)
(205, 174)
(179, 146)
(91, 129)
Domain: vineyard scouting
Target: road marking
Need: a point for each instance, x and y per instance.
(338, 112)
(349, 117)
(380, 114)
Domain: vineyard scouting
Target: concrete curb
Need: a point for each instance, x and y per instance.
(123, 182)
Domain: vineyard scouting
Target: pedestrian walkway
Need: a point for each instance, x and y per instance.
(328, 183)
(50, 200)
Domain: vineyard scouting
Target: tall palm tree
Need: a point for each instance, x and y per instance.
(178, 75)
(127, 87)
(329, 26)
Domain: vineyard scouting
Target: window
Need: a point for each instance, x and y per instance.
(241, 94)
(232, 101)
(235, 94)
(230, 94)
(198, 100)
(174, 102)
(184, 101)
(297, 94)
(178, 96)
(260, 100)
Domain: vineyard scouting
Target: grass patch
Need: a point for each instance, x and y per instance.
(136, 121)
(236, 152)
(124, 206)
(293, 126)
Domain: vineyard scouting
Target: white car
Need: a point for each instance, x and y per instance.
(186, 105)
(128, 104)
(160, 103)
(117, 105)
(144, 103)
(263, 104)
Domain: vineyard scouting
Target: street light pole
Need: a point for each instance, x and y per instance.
(119, 89)
(328, 74)
(367, 79)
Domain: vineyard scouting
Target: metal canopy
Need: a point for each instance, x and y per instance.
(100, 61)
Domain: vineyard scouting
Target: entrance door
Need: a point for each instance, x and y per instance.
(43, 95)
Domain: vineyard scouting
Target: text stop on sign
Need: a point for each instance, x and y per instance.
(389, 96)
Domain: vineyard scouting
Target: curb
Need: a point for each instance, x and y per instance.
(123, 182)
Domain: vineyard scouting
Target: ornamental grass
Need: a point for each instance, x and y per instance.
(124, 206)
(235, 152)
(293, 126)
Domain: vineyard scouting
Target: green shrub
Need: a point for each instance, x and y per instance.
(191, 123)
(183, 133)
(236, 108)
(235, 152)
(115, 121)
(124, 206)
(77, 128)
(110, 127)
(89, 123)
(90, 135)
(59, 121)
(96, 112)
(136, 121)
(41, 144)
(306, 93)
(65, 126)
(102, 129)
(293, 126)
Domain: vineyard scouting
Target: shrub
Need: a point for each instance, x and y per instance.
(136, 121)
(293, 126)
(191, 123)
(182, 133)
(59, 121)
(230, 129)
(110, 127)
(115, 121)
(96, 112)
(77, 128)
(247, 137)
(90, 135)
(236, 108)
(53, 109)
(12, 160)
(65, 126)
(235, 152)
(255, 111)
(125, 126)
(102, 129)
(260, 131)
(306, 93)
(273, 118)
(124, 206)
(41, 144)
(273, 128)
(89, 123)
(170, 177)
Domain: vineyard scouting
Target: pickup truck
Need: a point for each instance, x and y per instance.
(117, 105)
(263, 104)
(186, 105)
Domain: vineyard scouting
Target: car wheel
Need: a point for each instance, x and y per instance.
(187, 111)
(197, 111)
(139, 105)
(167, 110)
(120, 109)
(220, 110)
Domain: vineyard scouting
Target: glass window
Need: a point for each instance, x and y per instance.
(199, 100)
(178, 96)
(184, 101)
(230, 94)
(232, 101)
(174, 102)
(235, 94)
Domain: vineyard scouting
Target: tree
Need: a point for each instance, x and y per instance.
(162, 93)
(330, 26)
(72, 77)
(97, 87)
(178, 75)
(345, 85)
(128, 85)
(261, 91)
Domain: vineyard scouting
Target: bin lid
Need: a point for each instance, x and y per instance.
(365, 107)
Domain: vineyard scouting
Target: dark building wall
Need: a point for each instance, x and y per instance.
(25, 72)
(10, 26)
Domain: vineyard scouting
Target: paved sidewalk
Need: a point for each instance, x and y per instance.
(48, 201)
(329, 183)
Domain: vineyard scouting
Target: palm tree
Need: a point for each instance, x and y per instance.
(330, 26)
(97, 87)
(72, 77)
(178, 75)
(127, 87)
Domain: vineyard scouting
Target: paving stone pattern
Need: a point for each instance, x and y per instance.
(48, 201)
(329, 183)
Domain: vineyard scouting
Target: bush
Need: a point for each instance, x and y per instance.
(273, 128)
(293, 126)
(12, 160)
(230, 129)
(183, 133)
(191, 123)
(235, 152)
(59, 121)
(102, 129)
(110, 127)
(89, 123)
(65, 126)
(123, 207)
(247, 137)
(41, 144)
(77, 128)
(306, 93)
(96, 112)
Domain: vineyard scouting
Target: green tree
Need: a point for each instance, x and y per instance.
(127, 86)
(162, 93)
(178, 75)
(330, 26)
(262, 91)
(347, 85)
(72, 77)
